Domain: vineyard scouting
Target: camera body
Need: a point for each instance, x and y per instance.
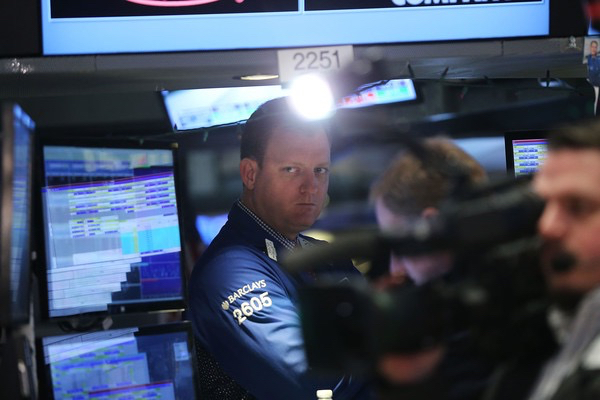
(496, 297)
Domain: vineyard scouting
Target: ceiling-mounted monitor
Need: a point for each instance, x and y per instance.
(384, 92)
(201, 108)
(134, 26)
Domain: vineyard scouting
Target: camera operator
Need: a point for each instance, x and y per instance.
(569, 182)
(412, 188)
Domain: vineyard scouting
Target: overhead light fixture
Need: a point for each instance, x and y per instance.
(315, 96)
(311, 97)
(256, 77)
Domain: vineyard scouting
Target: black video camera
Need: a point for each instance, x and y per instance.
(494, 291)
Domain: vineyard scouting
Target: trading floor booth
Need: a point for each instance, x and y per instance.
(120, 148)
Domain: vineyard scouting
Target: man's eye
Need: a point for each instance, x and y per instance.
(580, 207)
(290, 169)
(322, 170)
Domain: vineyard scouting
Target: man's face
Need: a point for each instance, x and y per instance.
(420, 269)
(388, 221)
(593, 48)
(569, 181)
(291, 185)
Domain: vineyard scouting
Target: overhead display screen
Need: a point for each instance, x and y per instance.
(126, 26)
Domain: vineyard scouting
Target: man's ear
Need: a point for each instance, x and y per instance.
(248, 171)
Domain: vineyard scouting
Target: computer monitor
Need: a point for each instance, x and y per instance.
(129, 26)
(384, 92)
(201, 108)
(153, 362)
(112, 239)
(525, 152)
(15, 217)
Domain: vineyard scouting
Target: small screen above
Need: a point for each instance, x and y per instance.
(111, 229)
(392, 91)
(200, 108)
(525, 152)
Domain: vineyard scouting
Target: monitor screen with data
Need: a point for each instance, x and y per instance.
(199, 108)
(525, 152)
(155, 362)
(111, 229)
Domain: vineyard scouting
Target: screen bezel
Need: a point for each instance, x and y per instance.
(101, 143)
(508, 145)
(44, 372)
(8, 316)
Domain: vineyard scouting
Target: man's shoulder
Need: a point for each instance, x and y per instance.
(224, 252)
(231, 255)
(227, 269)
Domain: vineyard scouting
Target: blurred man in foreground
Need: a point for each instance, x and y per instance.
(569, 181)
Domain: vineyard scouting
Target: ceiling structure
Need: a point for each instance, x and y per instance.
(122, 90)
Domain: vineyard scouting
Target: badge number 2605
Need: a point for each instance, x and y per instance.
(247, 308)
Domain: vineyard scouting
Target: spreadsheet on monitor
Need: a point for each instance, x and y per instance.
(111, 228)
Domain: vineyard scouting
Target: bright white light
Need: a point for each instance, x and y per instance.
(311, 97)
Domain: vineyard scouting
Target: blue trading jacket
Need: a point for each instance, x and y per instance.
(243, 307)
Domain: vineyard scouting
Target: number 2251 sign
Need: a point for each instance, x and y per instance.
(295, 62)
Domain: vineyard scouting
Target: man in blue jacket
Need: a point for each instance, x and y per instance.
(243, 304)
